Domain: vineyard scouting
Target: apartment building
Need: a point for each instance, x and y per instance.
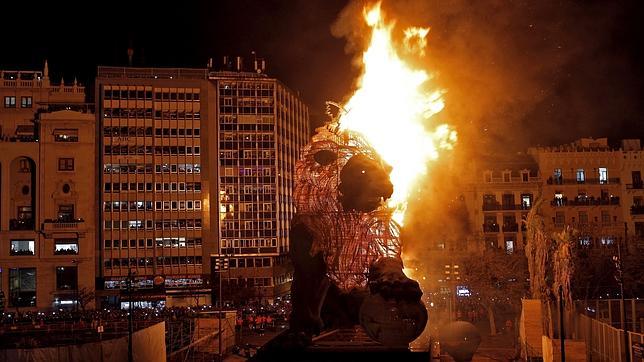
(582, 188)
(47, 192)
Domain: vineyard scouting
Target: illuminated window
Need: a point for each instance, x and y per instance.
(23, 247)
(68, 246)
(10, 102)
(603, 175)
(25, 102)
(526, 201)
(581, 175)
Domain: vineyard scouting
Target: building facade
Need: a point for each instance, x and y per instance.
(587, 185)
(262, 127)
(581, 187)
(196, 168)
(47, 198)
(153, 218)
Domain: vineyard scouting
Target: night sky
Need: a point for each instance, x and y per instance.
(516, 73)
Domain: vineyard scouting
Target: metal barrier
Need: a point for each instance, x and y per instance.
(603, 342)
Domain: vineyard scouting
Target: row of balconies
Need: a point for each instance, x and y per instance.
(48, 224)
(585, 201)
(498, 206)
(507, 228)
(587, 181)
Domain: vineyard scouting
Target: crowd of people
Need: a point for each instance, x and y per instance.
(259, 317)
(90, 317)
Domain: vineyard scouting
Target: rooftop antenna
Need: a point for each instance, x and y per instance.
(130, 54)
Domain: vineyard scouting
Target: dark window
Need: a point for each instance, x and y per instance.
(66, 212)
(22, 287)
(65, 164)
(25, 213)
(66, 278)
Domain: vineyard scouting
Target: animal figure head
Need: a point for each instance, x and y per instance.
(341, 173)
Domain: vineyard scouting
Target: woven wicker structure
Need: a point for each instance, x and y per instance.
(349, 240)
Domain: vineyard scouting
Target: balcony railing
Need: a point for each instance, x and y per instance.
(635, 185)
(58, 224)
(588, 201)
(637, 210)
(21, 224)
(497, 206)
(572, 181)
(491, 228)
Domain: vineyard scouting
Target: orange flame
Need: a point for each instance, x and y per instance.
(392, 105)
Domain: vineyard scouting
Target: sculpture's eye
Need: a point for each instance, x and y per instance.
(325, 157)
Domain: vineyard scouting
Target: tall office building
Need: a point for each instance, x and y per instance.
(195, 165)
(262, 127)
(154, 218)
(47, 192)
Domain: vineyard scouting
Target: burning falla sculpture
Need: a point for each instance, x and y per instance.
(345, 247)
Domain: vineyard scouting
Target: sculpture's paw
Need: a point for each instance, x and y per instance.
(392, 322)
(387, 279)
(393, 313)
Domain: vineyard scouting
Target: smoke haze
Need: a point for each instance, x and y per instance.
(516, 74)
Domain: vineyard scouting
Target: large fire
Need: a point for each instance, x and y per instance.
(393, 106)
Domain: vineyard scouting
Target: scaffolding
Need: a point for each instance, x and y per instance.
(197, 339)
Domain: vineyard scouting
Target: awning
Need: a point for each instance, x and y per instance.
(25, 130)
(138, 297)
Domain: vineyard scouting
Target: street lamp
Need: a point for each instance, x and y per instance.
(221, 265)
(619, 277)
(130, 326)
(76, 291)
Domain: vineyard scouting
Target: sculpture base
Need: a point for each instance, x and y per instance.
(347, 344)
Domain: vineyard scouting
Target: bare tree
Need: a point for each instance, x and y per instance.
(536, 250)
(496, 279)
(85, 297)
(563, 267)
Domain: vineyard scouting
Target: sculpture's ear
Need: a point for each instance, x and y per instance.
(325, 157)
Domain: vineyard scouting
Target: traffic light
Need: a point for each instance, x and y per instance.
(222, 264)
